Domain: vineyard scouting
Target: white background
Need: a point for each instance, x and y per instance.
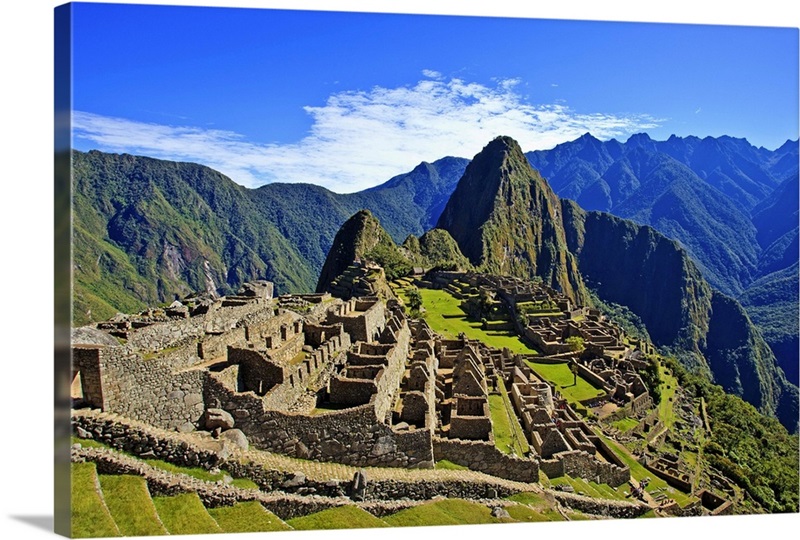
(26, 194)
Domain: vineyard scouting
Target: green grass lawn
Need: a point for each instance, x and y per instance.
(244, 483)
(88, 443)
(90, 516)
(444, 512)
(626, 424)
(521, 512)
(508, 435)
(445, 316)
(532, 507)
(185, 514)
(561, 376)
(591, 489)
(129, 502)
(666, 408)
(445, 465)
(247, 517)
(341, 517)
(200, 473)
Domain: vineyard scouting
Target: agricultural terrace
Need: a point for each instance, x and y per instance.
(444, 315)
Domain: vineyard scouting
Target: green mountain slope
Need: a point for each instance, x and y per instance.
(361, 236)
(654, 277)
(698, 191)
(148, 231)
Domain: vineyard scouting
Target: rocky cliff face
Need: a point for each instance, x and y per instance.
(654, 277)
(506, 220)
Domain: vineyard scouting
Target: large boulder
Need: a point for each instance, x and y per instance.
(219, 418)
(236, 437)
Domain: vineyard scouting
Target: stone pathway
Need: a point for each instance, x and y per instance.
(324, 471)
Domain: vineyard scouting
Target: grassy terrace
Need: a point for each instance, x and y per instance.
(185, 514)
(666, 408)
(508, 435)
(247, 517)
(561, 376)
(90, 516)
(445, 317)
(341, 517)
(625, 424)
(638, 472)
(195, 472)
(592, 489)
(129, 502)
(446, 512)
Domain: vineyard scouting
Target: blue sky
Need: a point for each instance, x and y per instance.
(348, 100)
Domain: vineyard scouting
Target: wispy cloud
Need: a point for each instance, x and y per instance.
(431, 74)
(360, 139)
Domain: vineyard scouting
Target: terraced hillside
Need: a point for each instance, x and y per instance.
(116, 493)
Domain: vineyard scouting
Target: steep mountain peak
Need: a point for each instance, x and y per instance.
(358, 236)
(588, 137)
(506, 219)
(638, 140)
(788, 146)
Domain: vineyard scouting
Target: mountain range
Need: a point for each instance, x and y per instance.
(148, 231)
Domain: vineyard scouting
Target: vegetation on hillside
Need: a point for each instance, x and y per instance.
(753, 450)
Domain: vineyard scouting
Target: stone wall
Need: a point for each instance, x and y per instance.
(363, 319)
(350, 388)
(90, 363)
(608, 508)
(470, 419)
(591, 377)
(639, 404)
(302, 497)
(317, 334)
(605, 450)
(256, 372)
(162, 483)
(305, 496)
(485, 457)
(179, 332)
(416, 409)
(354, 436)
(580, 464)
(673, 477)
(139, 439)
(148, 390)
(389, 384)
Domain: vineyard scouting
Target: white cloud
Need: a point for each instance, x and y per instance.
(360, 139)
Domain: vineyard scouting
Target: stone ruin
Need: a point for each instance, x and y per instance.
(316, 377)
(266, 367)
